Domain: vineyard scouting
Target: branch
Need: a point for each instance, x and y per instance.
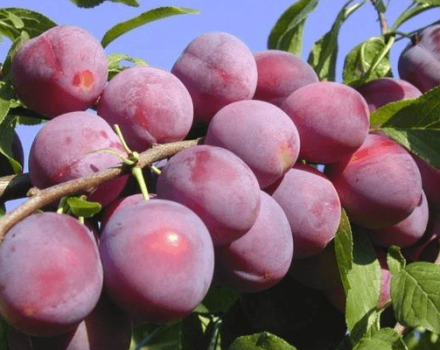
(41, 198)
(382, 20)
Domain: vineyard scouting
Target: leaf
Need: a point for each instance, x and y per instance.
(363, 63)
(218, 300)
(415, 295)
(380, 6)
(414, 123)
(364, 281)
(395, 260)
(287, 33)
(151, 337)
(265, 340)
(6, 69)
(14, 20)
(3, 334)
(144, 18)
(429, 2)
(384, 339)
(344, 248)
(82, 208)
(114, 63)
(410, 13)
(324, 52)
(93, 3)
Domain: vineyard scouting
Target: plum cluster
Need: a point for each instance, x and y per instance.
(242, 210)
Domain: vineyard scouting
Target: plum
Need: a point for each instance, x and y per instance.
(279, 74)
(332, 120)
(382, 91)
(261, 134)
(62, 70)
(149, 104)
(217, 69)
(51, 275)
(379, 185)
(419, 62)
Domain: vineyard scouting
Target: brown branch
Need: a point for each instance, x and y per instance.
(41, 198)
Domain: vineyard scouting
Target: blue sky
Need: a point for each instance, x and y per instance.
(161, 42)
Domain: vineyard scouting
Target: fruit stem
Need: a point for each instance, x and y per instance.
(155, 170)
(139, 176)
(121, 138)
(62, 205)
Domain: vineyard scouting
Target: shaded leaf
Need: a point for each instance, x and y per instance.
(260, 341)
(395, 260)
(324, 52)
(363, 63)
(14, 20)
(151, 337)
(384, 339)
(415, 295)
(115, 63)
(80, 207)
(218, 300)
(93, 3)
(144, 18)
(344, 248)
(287, 33)
(414, 123)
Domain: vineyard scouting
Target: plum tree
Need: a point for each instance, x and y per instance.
(217, 185)
(279, 74)
(149, 104)
(158, 260)
(261, 258)
(382, 91)
(62, 70)
(51, 275)
(261, 134)
(332, 120)
(67, 147)
(379, 185)
(312, 207)
(217, 69)
(419, 63)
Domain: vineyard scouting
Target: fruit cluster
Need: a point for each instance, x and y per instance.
(242, 210)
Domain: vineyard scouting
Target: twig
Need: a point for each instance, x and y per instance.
(41, 198)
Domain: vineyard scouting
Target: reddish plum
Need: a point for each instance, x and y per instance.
(62, 70)
(379, 185)
(217, 69)
(279, 74)
(217, 185)
(50, 274)
(332, 120)
(261, 134)
(149, 104)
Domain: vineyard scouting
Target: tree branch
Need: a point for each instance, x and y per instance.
(41, 198)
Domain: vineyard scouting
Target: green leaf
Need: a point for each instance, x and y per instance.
(80, 207)
(6, 69)
(115, 66)
(414, 123)
(218, 300)
(144, 18)
(384, 339)
(324, 52)
(395, 260)
(367, 61)
(429, 2)
(364, 281)
(287, 33)
(14, 20)
(380, 6)
(93, 3)
(344, 248)
(411, 13)
(415, 295)
(265, 340)
(151, 337)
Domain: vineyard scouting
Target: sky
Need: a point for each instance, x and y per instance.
(160, 43)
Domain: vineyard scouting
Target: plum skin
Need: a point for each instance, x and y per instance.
(332, 120)
(379, 185)
(217, 69)
(51, 276)
(158, 260)
(149, 104)
(261, 134)
(62, 70)
(279, 74)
